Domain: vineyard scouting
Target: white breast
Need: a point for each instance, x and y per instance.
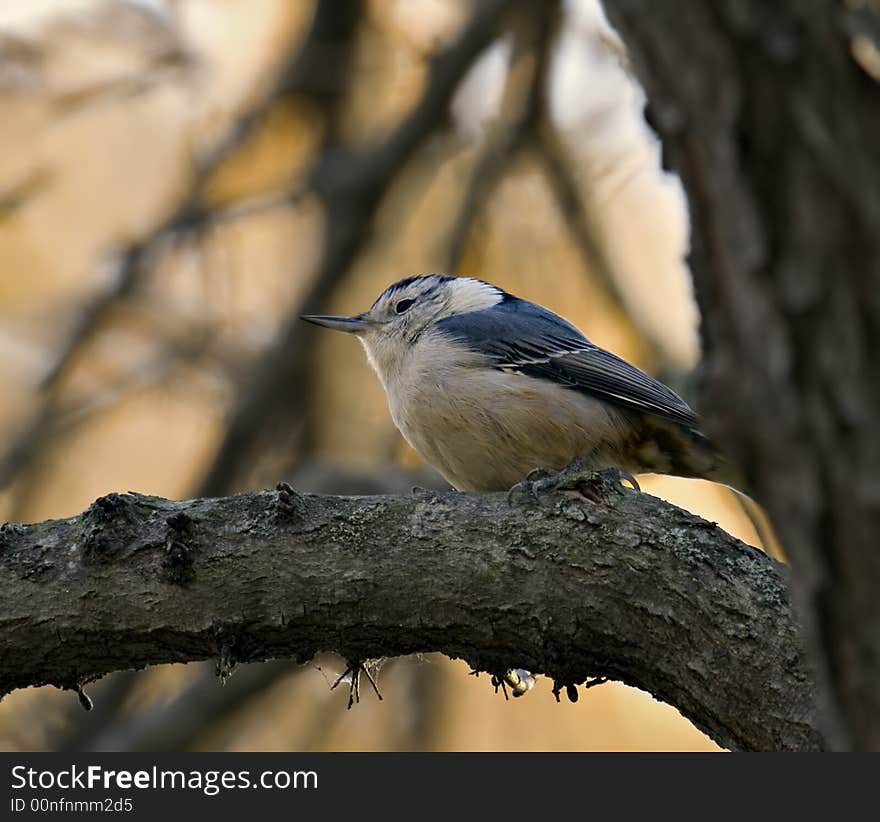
(485, 429)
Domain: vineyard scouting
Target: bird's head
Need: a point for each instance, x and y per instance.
(404, 311)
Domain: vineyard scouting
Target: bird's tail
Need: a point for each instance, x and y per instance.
(761, 523)
(695, 455)
(726, 473)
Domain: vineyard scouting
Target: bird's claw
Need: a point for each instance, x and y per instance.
(530, 485)
(620, 476)
(610, 482)
(596, 486)
(537, 474)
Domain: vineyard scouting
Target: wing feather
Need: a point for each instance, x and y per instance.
(522, 337)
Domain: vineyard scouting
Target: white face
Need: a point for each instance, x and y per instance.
(404, 310)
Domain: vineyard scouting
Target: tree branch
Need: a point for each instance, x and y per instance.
(626, 587)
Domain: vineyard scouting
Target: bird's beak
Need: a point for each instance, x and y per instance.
(352, 325)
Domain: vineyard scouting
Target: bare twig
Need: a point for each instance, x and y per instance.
(532, 29)
(351, 184)
(332, 30)
(134, 263)
(562, 178)
(526, 122)
(190, 214)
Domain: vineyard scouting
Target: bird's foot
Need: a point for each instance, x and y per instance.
(611, 481)
(530, 485)
(597, 486)
(352, 674)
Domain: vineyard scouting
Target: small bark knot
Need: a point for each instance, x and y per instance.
(286, 504)
(571, 687)
(570, 690)
(179, 549)
(106, 528)
(426, 494)
(78, 687)
(9, 533)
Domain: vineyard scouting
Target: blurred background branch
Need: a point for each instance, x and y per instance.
(180, 180)
(351, 183)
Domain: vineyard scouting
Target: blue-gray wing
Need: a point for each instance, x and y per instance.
(525, 338)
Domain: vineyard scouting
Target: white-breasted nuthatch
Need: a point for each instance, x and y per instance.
(488, 387)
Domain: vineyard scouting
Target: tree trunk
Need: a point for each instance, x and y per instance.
(773, 124)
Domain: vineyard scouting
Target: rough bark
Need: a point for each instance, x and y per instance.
(626, 587)
(773, 126)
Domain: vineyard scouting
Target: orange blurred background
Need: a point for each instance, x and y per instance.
(106, 108)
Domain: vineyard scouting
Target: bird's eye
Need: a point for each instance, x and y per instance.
(403, 305)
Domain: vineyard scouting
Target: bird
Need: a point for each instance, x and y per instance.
(488, 387)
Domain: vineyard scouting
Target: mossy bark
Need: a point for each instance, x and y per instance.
(626, 587)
